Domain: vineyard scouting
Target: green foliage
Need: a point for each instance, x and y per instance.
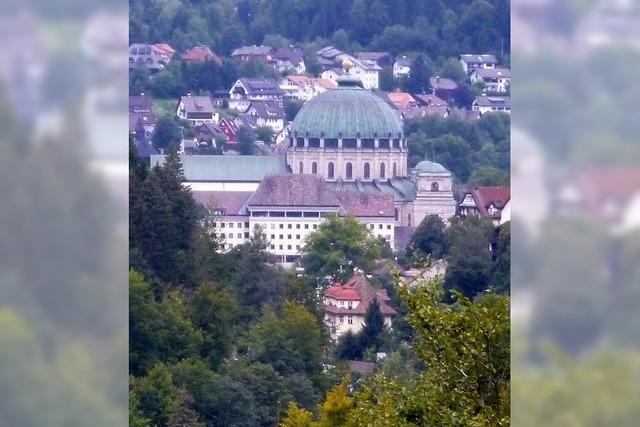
(489, 176)
(245, 139)
(374, 327)
(465, 348)
(166, 133)
(291, 108)
(418, 81)
(349, 347)
(155, 394)
(290, 342)
(501, 273)
(469, 268)
(429, 238)
(264, 134)
(297, 417)
(338, 247)
(463, 147)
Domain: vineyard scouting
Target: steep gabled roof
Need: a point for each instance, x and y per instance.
(493, 73)
(201, 53)
(486, 196)
(197, 104)
(229, 202)
(290, 54)
(252, 51)
(357, 288)
(472, 58)
(363, 204)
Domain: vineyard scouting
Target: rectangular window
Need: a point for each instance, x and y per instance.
(273, 247)
(280, 247)
(276, 214)
(281, 226)
(239, 235)
(246, 234)
(289, 236)
(239, 225)
(273, 237)
(341, 319)
(288, 246)
(371, 226)
(315, 226)
(273, 226)
(289, 226)
(388, 226)
(297, 237)
(230, 225)
(306, 226)
(298, 247)
(282, 236)
(222, 225)
(311, 214)
(380, 226)
(297, 226)
(294, 214)
(350, 320)
(246, 224)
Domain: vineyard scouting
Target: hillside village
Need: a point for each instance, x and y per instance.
(296, 201)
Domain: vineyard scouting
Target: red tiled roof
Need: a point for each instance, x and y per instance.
(485, 196)
(229, 201)
(201, 53)
(357, 288)
(163, 48)
(359, 203)
(401, 100)
(429, 99)
(603, 185)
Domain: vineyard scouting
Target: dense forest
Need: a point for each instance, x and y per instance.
(439, 29)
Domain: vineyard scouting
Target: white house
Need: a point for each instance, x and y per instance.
(487, 104)
(402, 67)
(472, 61)
(303, 88)
(367, 71)
(496, 80)
(246, 90)
(345, 305)
(197, 110)
(269, 114)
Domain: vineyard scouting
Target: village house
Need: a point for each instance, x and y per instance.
(285, 59)
(303, 88)
(383, 59)
(329, 57)
(472, 61)
(442, 87)
(401, 100)
(496, 80)
(246, 120)
(246, 53)
(401, 67)
(197, 110)
(345, 305)
(427, 105)
(245, 90)
(487, 104)
(229, 128)
(142, 119)
(207, 132)
(268, 113)
(143, 56)
(367, 72)
(201, 54)
(164, 51)
(487, 202)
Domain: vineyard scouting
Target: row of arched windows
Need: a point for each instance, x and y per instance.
(349, 170)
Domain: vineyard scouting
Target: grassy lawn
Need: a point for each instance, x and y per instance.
(165, 107)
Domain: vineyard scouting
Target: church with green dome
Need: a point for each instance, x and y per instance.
(355, 141)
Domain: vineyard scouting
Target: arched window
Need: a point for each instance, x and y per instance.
(349, 171)
(367, 171)
(300, 167)
(435, 186)
(330, 171)
(395, 170)
(383, 172)
(314, 167)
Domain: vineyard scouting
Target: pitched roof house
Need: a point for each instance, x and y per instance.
(402, 67)
(487, 104)
(494, 79)
(245, 90)
(487, 202)
(380, 58)
(164, 51)
(473, 61)
(143, 55)
(201, 54)
(196, 109)
(401, 100)
(246, 53)
(345, 305)
(288, 58)
(268, 113)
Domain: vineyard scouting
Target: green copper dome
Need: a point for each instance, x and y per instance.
(427, 166)
(348, 112)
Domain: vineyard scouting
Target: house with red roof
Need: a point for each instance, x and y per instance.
(345, 305)
(164, 51)
(488, 202)
(201, 54)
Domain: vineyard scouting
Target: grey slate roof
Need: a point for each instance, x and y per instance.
(197, 104)
(230, 202)
(442, 83)
(140, 104)
(293, 190)
(402, 189)
(361, 204)
(252, 51)
(290, 54)
(268, 109)
(261, 86)
(493, 73)
(210, 168)
(493, 101)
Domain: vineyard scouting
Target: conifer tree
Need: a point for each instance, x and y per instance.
(373, 326)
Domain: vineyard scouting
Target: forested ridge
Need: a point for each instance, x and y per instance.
(440, 29)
